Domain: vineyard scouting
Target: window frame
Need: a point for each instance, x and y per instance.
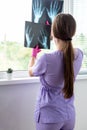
(68, 8)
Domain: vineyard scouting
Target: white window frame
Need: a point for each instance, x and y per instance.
(68, 8)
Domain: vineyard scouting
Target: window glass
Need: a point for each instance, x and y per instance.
(13, 14)
(80, 40)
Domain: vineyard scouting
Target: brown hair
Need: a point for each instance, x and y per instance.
(64, 27)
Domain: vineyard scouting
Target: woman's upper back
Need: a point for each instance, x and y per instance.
(50, 67)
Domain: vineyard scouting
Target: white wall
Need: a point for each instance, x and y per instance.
(17, 104)
(81, 104)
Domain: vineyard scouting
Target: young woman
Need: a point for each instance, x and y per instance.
(57, 70)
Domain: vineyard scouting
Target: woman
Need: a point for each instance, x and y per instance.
(57, 70)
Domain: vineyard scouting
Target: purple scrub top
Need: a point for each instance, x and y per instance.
(51, 106)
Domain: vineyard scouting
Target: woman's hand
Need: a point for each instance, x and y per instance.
(35, 51)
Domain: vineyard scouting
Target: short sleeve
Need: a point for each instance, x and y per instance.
(40, 66)
(78, 62)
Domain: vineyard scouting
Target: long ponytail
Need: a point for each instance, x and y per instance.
(64, 27)
(68, 55)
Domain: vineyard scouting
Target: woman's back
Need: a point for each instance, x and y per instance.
(51, 102)
(54, 75)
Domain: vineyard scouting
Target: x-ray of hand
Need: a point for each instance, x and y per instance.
(29, 36)
(38, 10)
(43, 39)
(54, 9)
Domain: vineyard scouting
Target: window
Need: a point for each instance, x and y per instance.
(13, 14)
(80, 40)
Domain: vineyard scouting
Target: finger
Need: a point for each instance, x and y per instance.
(37, 47)
(39, 51)
(47, 23)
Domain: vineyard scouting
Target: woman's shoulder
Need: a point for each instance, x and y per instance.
(54, 53)
(78, 53)
(54, 56)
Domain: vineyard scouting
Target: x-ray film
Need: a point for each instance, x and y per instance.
(46, 10)
(37, 34)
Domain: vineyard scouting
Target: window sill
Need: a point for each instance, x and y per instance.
(19, 81)
(82, 77)
(25, 80)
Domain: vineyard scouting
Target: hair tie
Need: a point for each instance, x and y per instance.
(68, 39)
(65, 39)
